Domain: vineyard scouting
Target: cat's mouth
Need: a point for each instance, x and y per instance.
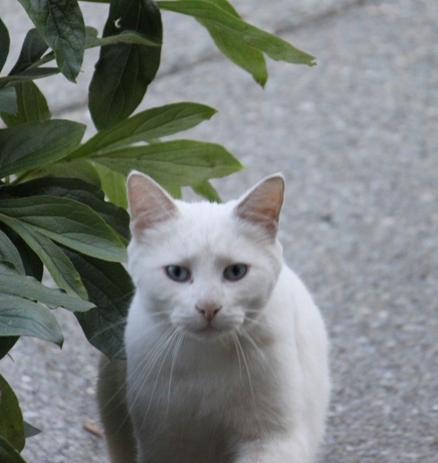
(207, 332)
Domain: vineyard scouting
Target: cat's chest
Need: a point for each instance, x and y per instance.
(197, 384)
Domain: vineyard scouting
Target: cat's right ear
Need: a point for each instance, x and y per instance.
(149, 204)
(262, 204)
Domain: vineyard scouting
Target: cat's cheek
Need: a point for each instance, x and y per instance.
(187, 322)
(230, 322)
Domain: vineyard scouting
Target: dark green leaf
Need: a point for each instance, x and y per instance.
(6, 344)
(148, 125)
(179, 162)
(207, 190)
(80, 169)
(61, 24)
(114, 186)
(128, 37)
(32, 106)
(8, 454)
(11, 418)
(68, 222)
(34, 46)
(4, 44)
(78, 190)
(205, 10)
(111, 289)
(32, 264)
(8, 100)
(35, 144)
(9, 253)
(29, 430)
(57, 263)
(13, 283)
(21, 317)
(28, 74)
(124, 71)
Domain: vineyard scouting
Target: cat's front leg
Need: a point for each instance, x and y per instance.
(296, 449)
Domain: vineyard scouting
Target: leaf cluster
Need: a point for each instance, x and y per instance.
(63, 198)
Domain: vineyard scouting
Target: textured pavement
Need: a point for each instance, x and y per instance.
(357, 139)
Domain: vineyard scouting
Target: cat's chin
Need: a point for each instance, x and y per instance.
(207, 334)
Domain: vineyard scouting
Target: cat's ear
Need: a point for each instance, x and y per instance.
(148, 203)
(261, 205)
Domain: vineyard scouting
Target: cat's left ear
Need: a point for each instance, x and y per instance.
(149, 204)
(261, 205)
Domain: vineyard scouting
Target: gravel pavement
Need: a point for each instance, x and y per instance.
(357, 139)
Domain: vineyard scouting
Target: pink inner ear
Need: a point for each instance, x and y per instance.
(148, 202)
(262, 205)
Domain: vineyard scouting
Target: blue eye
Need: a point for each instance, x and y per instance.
(178, 273)
(235, 272)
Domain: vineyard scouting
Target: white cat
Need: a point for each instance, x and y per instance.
(227, 355)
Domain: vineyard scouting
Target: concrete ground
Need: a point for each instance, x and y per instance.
(357, 139)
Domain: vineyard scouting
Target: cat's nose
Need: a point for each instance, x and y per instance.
(209, 310)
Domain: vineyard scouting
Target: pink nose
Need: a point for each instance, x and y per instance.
(209, 310)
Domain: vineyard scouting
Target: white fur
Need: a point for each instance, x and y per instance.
(256, 389)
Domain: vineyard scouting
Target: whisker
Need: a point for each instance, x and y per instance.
(130, 377)
(253, 344)
(166, 351)
(248, 373)
(233, 337)
(176, 349)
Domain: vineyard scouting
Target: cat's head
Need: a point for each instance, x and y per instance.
(204, 268)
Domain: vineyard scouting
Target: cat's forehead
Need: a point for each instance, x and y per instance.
(202, 229)
(204, 213)
(206, 222)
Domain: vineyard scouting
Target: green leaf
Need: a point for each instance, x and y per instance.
(21, 317)
(6, 344)
(79, 169)
(248, 58)
(111, 289)
(179, 162)
(148, 125)
(114, 186)
(8, 100)
(8, 454)
(67, 222)
(27, 287)
(207, 190)
(173, 190)
(28, 74)
(29, 430)
(61, 24)
(35, 144)
(127, 37)
(231, 45)
(124, 71)
(9, 253)
(31, 262)
(11, 418)
(78, 190)
(32, 106)
(34, 46)
(205, 10)
(4, 44)
(57, 263)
